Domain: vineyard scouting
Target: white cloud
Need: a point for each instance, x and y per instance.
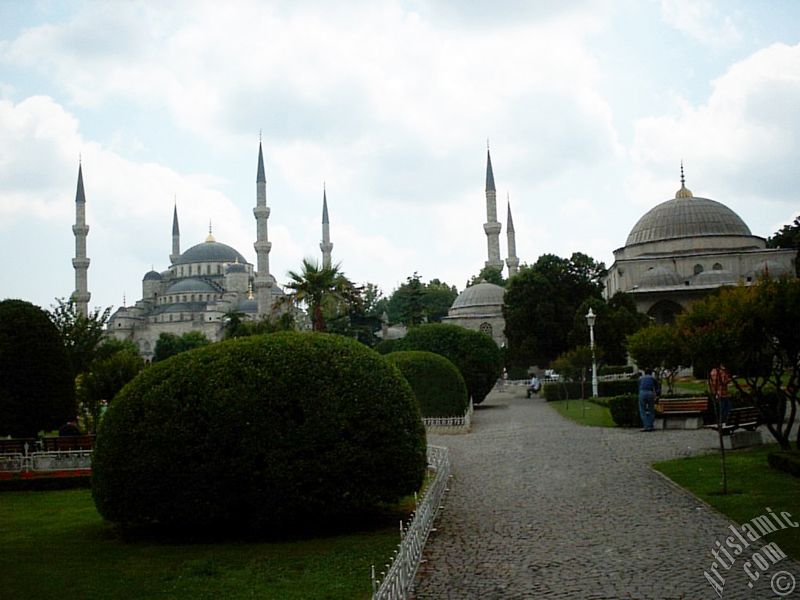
(700, 20)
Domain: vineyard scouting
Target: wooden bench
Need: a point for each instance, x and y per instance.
(746, 417)
(680, 413)
(17, 445)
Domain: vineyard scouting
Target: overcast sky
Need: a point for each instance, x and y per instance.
(589, 107)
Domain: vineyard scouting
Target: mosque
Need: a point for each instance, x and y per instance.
(676, 253)
(201, 285)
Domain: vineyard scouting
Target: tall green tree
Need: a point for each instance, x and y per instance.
(541, 303)
(82, 336)
(753, 332)
(616, 319)
(488, 275)
(661, 348)
(788, 236)
(416, 302)
(321, 288)
(169, 344)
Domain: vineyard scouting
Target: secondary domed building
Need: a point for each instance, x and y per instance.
(480, 308)
(685, 247)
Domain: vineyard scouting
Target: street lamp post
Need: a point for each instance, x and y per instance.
(590, 319)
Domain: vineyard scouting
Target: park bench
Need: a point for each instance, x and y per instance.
(17, 445)
(740, 427)
(680, 413)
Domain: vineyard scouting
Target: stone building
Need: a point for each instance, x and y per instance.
(685, 247)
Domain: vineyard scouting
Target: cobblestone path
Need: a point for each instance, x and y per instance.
(540, 507)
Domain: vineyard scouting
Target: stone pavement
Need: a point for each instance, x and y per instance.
(540, 507)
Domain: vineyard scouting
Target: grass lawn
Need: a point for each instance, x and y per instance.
(755, 484)
(584, 412)
(55, 543)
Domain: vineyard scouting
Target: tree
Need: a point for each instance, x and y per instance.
(788, 236)
(488, 275)
(107, 376)
(541, 303)
(616, 319)
(753, 332)
(416, 302)
(321, 288)
(574, 364)
(169, 344)
(36, 384)
(81, 335)
(662, 349)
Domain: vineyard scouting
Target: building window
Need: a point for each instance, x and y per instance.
(698, 269)
(219, 269)
(486, 328)
(717, 267)
(208, 269)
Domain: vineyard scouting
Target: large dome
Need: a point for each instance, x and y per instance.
(210, 251)
(686, 216)
(480, 294)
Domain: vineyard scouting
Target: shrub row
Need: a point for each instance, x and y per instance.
(615, 370)
(788, 462)
(572, 389)
(265, 433)
(625, 410)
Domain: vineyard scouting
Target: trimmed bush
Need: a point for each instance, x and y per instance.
(268, 433)
(561, 390)
(437, 383)
(615, 370)
(472, 352)
(625, 410)
(386, 346)
(37, 391)
(788, 462)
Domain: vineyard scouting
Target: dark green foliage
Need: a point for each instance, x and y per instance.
(387, 346)
(106, 377)
(541, 303)
(437, 383)
(561, 390)
(264, 433)
(788, 462)
(82, 336)
(36, 383)
(615, 370)
(518, 373)
(474, 353)
(169, 344)
(414, 302)
(488, 275)
(788, 236)
(616, 319)
(625, 410)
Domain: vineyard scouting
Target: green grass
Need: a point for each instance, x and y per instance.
(584, 412)
(755, 484)
(55, 543)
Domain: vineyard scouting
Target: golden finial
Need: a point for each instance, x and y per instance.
(210, 237)
(250, 290)
(684, 192)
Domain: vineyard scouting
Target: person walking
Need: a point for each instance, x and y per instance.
(648, 391)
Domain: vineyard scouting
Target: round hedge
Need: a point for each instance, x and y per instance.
(437, 383)
(474, 353)
(265, 433)
(37, 391)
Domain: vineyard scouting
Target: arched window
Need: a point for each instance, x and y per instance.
(717, 267)
(486, 328)
(208, 269)
(698, 269)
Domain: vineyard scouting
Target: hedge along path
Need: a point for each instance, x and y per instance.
(540, 507)
(436, 382)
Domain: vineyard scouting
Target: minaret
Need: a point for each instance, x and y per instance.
(263, 280)
(176, 236)
(326, 245)
(81, 294)
(512, 261)
(492, 227)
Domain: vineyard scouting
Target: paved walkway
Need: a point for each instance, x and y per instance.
(540, 507)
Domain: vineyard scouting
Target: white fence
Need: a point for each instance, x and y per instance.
(50, 461)
(460, 424)
(397, 580)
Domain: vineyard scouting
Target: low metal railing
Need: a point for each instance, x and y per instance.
(396, 582)
(45, 461)
(460, 424)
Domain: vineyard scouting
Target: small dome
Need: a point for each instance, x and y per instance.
(152, 276)
(248, 306)
(480, 294)
(659, 277)
(686, 216)
(210, 251)
(190, 285)
(716, 277)
(236, 267)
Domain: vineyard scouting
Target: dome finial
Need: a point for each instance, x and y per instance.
(210, 237)
(684, 192)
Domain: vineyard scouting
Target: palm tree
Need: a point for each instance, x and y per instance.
(322, 287)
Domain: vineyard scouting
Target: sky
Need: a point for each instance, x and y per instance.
(588, 108)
